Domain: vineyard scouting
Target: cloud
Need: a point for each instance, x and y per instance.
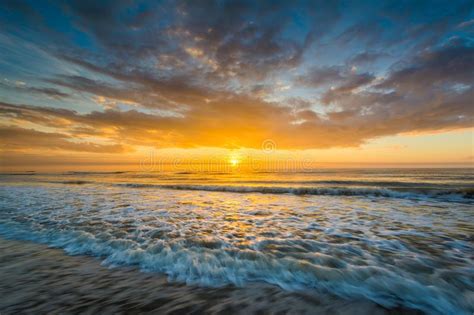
(46, 91)
(232, 74)
(322, 76)
(466, 24)
(433, 91)
(366, 57)
(349, 84)
(451, 64)
(16, 138)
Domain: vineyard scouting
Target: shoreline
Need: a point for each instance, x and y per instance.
(38, 279)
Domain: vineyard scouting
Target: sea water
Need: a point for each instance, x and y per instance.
(396, 237)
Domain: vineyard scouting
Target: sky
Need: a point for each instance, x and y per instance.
(329, 82)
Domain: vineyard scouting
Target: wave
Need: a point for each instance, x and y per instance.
(211, 264)
(459, 195)
(28, 173)
(386, 184)
(94, 173)
(71, 182)
(408, 191)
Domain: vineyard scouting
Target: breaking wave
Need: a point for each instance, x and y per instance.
(456, 195)
(213, 263)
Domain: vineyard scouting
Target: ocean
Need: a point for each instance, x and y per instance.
(400, 239)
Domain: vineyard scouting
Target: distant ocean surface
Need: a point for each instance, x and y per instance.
(395, 237)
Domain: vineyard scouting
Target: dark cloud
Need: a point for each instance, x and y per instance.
(433, 91)
(46, 91)
(350, 83)
(440, 68)
(160, 90)
(337, 80)
(366, 57)
(322, 76)
(51, 92)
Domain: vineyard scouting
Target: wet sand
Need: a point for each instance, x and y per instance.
(36, 279)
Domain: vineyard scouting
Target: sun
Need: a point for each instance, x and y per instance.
(234, 161)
